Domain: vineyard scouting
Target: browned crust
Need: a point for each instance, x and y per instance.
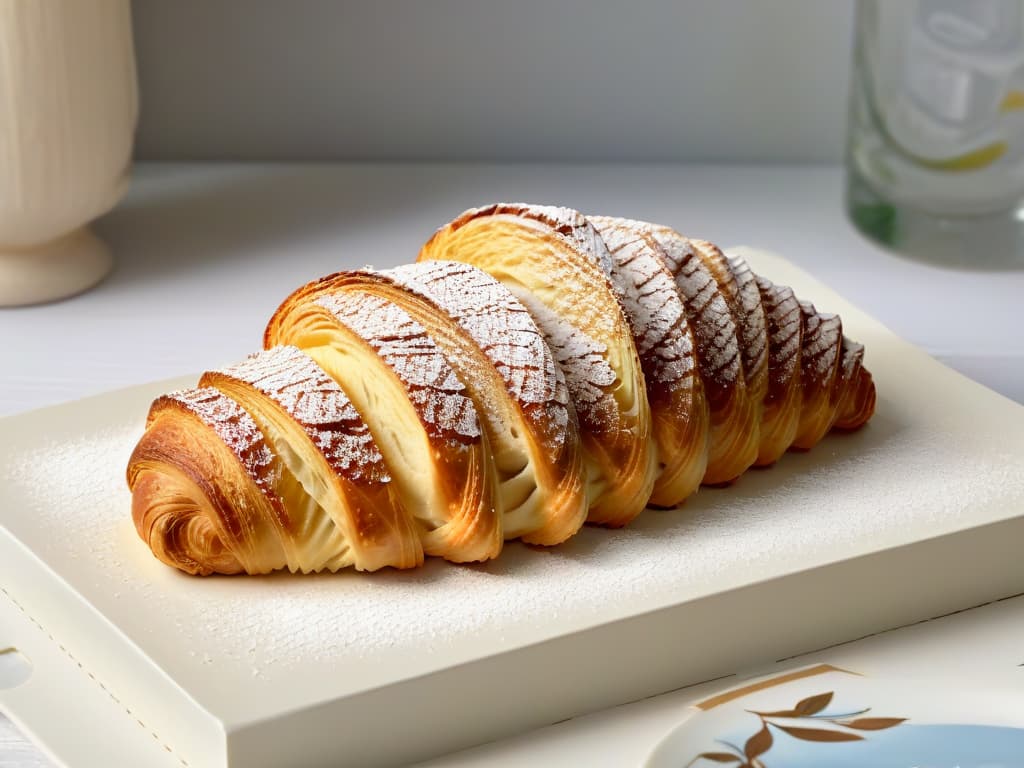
(621, 446)
(233, 426)
(429, 381)
(547, 411)
(783, 397)
(667, 351)
(750, 342)
(733, 414)
(226, 463)
(710, 315)
(285, 380)
(313, 400)
(472, 528)
(181, 535)
(548, 421)
(857, 402)
(503, 330)
(753, 325)
(204, 495)
(566, 222)
(819, 368)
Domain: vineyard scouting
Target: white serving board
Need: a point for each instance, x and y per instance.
(916, 515)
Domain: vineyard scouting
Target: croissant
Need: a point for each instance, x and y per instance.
(536, 369)
(554, 261)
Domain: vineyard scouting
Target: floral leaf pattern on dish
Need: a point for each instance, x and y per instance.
(806, 721)
(812, 705)
(874, 723)
(819, 734)
(759, 743)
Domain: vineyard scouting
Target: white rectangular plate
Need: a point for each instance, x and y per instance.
(915, 515)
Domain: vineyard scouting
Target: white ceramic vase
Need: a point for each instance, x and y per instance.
(68, 108)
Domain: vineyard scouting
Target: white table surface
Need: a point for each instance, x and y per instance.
(204, 253)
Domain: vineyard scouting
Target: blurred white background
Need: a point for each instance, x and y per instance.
(586, 80)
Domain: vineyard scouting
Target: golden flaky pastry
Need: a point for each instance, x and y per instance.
(536, 369)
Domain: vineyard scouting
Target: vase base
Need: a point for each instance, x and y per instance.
(54, 270)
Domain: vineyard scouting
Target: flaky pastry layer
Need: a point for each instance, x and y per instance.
(536, 369)
(557, 264)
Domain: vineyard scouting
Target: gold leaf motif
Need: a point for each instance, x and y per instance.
(875, 723)
(759, 743)
(812, 705)
(808, 710)
(819, 734)
(777, 713)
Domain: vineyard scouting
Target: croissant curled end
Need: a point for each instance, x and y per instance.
(198, 497)
(175, 525)
(859, 404)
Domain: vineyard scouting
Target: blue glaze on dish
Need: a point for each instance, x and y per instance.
(908, 746)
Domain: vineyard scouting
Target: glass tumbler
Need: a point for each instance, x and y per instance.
(935, 150)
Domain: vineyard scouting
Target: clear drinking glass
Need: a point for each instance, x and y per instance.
(935, 153)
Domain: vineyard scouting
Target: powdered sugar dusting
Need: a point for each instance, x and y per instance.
(712, 322)
(316, 402)
(493, 318)
(714, 330)
(504, 331)
(892, 479)
(753, 323)
(567, 222)
(848, 384)
(784, 335)
(822, 337)
(581, 358)
(853, 357)
(587, 372)
(236, 428)
(652, 303)
(433, 388)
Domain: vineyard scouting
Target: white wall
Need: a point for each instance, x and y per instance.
(471, 79)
